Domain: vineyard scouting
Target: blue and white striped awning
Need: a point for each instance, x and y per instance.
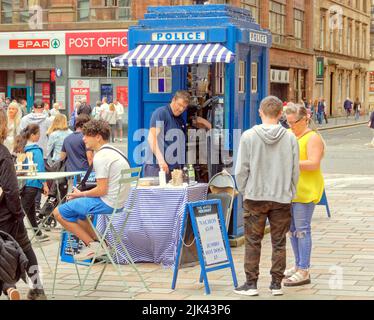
(152, 55)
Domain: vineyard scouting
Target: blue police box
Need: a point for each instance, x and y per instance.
(225, 38)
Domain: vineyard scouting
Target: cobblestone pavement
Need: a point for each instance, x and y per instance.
(342, 249)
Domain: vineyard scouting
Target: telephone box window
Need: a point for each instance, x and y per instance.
(160, 79)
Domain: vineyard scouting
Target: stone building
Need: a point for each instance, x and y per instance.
(342, 52)
(371, 67)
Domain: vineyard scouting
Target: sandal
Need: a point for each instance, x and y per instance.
(13, 294)
(297, 279)
(289, 272)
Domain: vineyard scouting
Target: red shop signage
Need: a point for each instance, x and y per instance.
(96, 43)
(29, 44)
(123, 95)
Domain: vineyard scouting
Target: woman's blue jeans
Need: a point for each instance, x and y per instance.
(300, 231)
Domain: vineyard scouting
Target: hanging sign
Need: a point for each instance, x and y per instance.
(208, 224)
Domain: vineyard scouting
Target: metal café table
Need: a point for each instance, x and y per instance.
(154, 225)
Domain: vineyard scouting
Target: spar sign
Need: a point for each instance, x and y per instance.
(96, 42)
(24, 43)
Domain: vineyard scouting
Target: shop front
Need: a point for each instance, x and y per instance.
(216, 52)
(62, 66)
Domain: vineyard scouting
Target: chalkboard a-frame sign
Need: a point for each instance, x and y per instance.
(213, 247)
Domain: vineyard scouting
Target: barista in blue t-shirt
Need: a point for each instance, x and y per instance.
(166, 137)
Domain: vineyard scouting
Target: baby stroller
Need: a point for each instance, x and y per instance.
(45, 216)
(222, 187)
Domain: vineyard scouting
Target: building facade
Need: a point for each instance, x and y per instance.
(59, 51)
(371, 66)
(291, 56)
(342, 53)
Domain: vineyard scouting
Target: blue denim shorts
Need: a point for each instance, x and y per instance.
(79, 208)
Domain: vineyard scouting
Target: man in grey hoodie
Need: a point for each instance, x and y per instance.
(267, 171)
(41, 119)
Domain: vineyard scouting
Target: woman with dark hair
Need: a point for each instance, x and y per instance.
(11, 218)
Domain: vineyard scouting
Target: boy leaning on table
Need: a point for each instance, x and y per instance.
(107, 164)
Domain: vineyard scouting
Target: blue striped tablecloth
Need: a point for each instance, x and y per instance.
(154, 226)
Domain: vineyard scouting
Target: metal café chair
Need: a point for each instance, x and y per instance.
(129, 178)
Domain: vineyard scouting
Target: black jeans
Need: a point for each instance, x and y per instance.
(18, 231)
(28, 197)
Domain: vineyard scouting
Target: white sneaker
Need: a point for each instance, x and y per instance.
(89, 251)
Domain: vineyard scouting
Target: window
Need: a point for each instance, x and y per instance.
(298, 24)
(160, 79)
(322, 28)
(349, 45)
(124, 9)
(94, 67)
(219, 82)
(357, 49)
(340, 87)
(277, 21)
(363, 89)
(241, 76)
(254, 77)
(253, 6)
(331, 39)
(83, 10)
(340, 40)
(348, 84)
(363, 43)
(6, 11)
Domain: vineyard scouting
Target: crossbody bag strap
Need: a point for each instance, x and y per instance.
(86, 176)
(119, 152)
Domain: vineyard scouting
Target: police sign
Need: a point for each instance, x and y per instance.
(258, 37)
(178, 36)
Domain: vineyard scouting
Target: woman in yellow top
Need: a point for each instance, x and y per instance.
(308, 192)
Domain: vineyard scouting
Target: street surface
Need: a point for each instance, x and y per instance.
(343, 246)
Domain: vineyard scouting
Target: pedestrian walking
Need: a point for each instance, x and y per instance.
(55, 110)
(14, 121)
(120, 113)
(267, 188)
(309, 192)
(347, 107)
(321, 111)
(96, 112)
(371, 126)
(11, 220)
(357, 108)
(84, 108)
(111, 117)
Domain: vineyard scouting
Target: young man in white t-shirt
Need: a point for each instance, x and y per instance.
(107, 164)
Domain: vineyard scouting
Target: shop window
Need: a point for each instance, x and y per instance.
(160, 79)
(241, 76)
(94, 67)
(254, 77)
(219, 72)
